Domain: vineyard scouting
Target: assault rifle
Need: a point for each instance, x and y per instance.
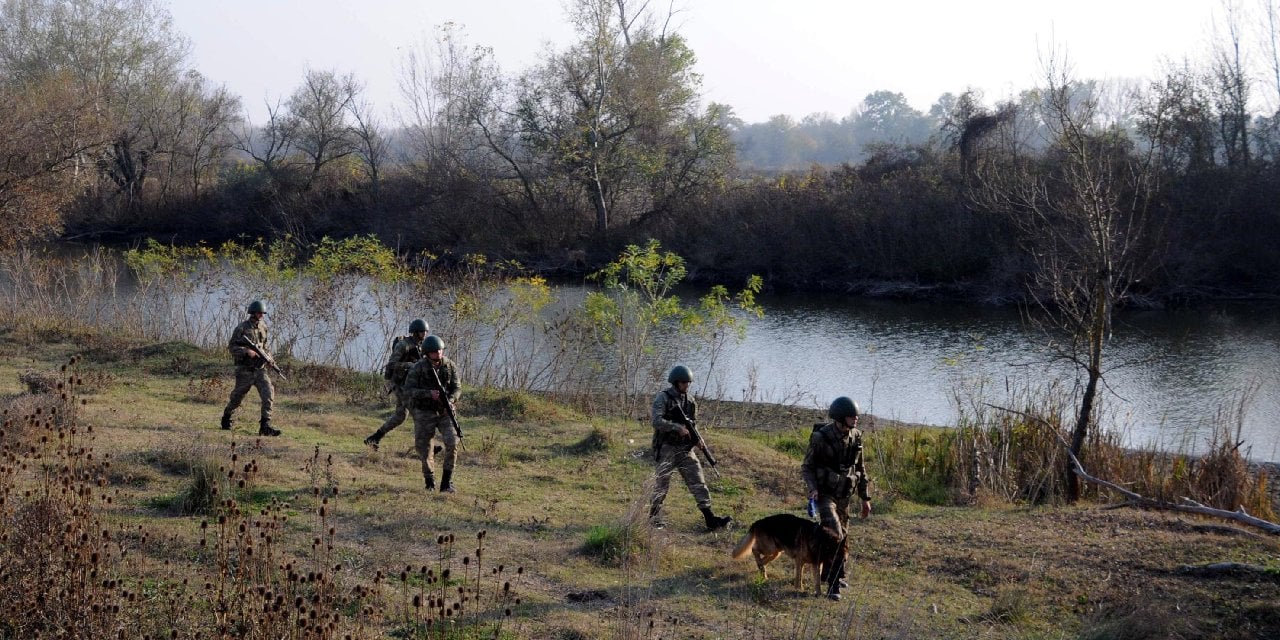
(266, 356)
(444, 399)
(697, 437)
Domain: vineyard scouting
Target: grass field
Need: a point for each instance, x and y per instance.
(555, 498)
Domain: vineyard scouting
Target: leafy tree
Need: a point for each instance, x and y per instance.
(885, 116)
(122, 54)
(636, 303)
(617, 114)
(45, 127)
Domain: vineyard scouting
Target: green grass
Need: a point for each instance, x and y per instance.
(559, 492)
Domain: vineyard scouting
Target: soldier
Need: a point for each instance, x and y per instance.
(431, 383)
(406, 351)
(833, 470)
(251, 368)
(673, 411)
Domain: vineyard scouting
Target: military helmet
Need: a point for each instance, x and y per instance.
(257, 307)
(843, 407)
(418, 325)
(432, 343)
(679, 373)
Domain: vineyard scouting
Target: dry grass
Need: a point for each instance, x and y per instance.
(350, 535)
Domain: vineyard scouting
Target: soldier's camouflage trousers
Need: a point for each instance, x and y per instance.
(671, 458)
(247, 378)
(397, 418)
(833, 512)
(428, 425)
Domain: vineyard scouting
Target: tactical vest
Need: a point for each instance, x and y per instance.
(832, 474)
(255, 332)
(673, 414)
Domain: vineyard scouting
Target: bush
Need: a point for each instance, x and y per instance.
(596, 441)
(613, 544)
(200, 495)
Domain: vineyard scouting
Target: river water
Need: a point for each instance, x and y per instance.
(1171, 374)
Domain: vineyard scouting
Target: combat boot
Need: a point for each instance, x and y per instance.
(226, 422)
(835, 579)
(264, 429)
(714, 521)
(446, 484)
(655, 517)
(430, 482)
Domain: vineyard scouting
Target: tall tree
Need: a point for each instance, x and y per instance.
(463, 134)
(1081, 209)
(1233, 84)
(318, 112)
(885, 116)
(618, 114)
(45, 126)
(371, 143)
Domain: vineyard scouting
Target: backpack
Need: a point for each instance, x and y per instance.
(389, 370)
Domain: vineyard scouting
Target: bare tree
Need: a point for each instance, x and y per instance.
(269, 145)
(464, 126)
(1269, 38)
(371, 143)
(318, 112)
(1233, 87)
(1081, 212)
(192, 132)
(1177, 117)
(209, 136)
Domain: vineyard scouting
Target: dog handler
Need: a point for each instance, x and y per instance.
(833, 469)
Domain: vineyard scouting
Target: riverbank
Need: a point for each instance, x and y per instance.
(559, 494)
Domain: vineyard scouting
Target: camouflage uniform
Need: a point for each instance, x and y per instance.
(250, 372)
(671, 451)
(430, 418)
(404, 354)
(833, 467)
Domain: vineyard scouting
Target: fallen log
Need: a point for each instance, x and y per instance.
(1134, 499)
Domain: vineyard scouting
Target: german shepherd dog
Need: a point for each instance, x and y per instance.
(804, 541)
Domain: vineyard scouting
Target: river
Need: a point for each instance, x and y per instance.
(1171, 374)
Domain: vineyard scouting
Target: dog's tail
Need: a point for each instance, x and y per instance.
(744, 547)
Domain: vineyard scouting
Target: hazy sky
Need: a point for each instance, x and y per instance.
(762, 57)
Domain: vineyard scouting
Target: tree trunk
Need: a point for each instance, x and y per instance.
(1097, 334)
(597, 200)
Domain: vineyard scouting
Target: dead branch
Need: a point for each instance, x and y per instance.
(1134, 499)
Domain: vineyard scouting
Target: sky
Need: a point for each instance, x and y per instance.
(761, 57)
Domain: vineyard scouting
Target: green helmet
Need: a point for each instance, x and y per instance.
(432, 343)
(679, 373)
(843, 407)
(257, 307)
(418, 325)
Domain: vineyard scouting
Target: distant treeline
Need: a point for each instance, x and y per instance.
(109, 135)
